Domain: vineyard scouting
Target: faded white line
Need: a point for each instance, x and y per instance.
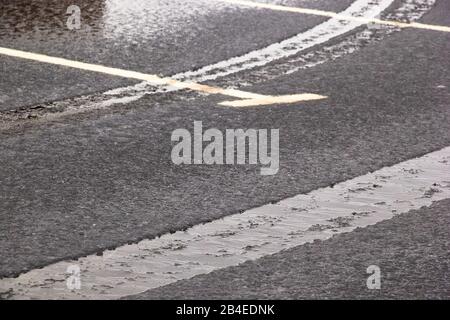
(268, 100)
(320, 214)
(410, 10)
(317, 35)
(331, 14)
(156, 80)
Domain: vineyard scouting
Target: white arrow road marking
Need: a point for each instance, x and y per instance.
(156, 80)
(319, 34)
(272, 100)
(331, 14)
(258, 232)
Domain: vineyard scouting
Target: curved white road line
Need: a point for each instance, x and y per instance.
(135, 92)
(410, 10)
(317, 35)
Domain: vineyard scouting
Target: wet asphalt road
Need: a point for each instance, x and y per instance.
(83, 183)
(411, 251)
(160, 37)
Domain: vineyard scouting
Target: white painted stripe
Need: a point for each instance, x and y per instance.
(315, 36)
(156, 80)
(272, 100)
(331, 14)
(319, 34)
(409, 10)
(320, 214)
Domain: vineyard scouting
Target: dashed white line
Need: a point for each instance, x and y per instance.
(320, 214)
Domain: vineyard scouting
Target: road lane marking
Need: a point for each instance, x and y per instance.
(317, 35)
(331, 14)
(153, 79)
(410, 10)
(234, 239)
(288, 47)
(313, 37)
(271, 100)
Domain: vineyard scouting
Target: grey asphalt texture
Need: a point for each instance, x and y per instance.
(411, 250)
(158, 38)
(84, 183)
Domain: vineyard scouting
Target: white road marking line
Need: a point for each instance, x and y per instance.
(154, 79)
(271, 100)
(331, 14)
(320, 214)
(312, 37)
(409, 10)
(317, 35)
(321, 33)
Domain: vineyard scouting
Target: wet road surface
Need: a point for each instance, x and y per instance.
(77, 184)
(413, 264)
(162, 37)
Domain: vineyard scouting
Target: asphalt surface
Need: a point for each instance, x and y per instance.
(80, 184)
(411, 251)
(157, 37)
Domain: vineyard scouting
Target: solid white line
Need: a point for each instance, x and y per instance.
(271, 100)
(331, 14)
(320, 214)
(291, 46)
(156, 80)
(317, 35)
(409, 10)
